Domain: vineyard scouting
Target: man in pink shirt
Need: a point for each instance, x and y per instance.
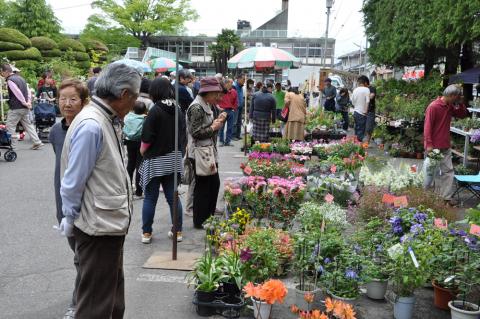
(20, 104)
(229, 104)
(438, 117)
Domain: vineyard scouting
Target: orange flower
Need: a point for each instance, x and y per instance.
(348, 312)
(272, 291)
(294, 309)
(330, 304)
(317, 314)
(338, 310)
(309, 297)
(252, 291)
(365, 145)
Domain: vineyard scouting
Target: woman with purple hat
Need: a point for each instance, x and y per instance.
(203, 124)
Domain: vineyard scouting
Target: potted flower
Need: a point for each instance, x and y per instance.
(333, 309)
(375, 261)
(206, 278)
(264, 296)
(231, 266)
(468, 276)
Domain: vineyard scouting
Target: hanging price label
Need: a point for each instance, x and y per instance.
(400, 201)
(248, 170)
(475, 230)
(388, 199)
(441, 223)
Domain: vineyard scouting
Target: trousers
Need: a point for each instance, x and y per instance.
(21, 115)
(205, 198)
(101, 292)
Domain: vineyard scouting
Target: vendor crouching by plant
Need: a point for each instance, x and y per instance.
(437, 140)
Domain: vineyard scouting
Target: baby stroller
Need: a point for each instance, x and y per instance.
(45, 116)
(6, 143)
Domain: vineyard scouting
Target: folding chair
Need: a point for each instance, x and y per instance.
(469, 183)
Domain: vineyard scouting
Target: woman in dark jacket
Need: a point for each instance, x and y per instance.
(203, 122)
(343, 105)
(158, 150)
(262, 111)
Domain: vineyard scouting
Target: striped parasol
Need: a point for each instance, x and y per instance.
(163, 64)
(140, 66)
(262, 58)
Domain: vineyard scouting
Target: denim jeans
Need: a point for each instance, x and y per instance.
(229, 124)
(237, 126)
(345, 120)
(360, 124)
(150, 202)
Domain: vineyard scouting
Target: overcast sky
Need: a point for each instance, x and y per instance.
(307, 18)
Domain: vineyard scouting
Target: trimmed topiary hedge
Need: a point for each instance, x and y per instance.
(75, 45)
(55, 53)
(15, 36)
(28, 54)
(81, 56)
(83, 64)
(30, 64)
(7, 46)
(95, 45)
(44, 43)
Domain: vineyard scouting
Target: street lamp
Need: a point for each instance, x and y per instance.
(329, 4)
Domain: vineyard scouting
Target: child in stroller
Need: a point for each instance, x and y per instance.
(6, 143)
(45, 117)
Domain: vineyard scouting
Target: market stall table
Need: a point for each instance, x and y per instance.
(464, 155)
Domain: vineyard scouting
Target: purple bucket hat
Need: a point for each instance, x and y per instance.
(210, 84)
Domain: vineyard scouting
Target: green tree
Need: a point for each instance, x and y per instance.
(3, 12)
(227, 45)
(144, 18)
(411, 32)
(116, 39)
(33, 18)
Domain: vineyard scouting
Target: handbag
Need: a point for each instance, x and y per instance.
(205, 164)
(284, 114)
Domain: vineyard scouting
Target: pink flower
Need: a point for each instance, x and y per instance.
(333, 169)
(329, 198)
(248, 170)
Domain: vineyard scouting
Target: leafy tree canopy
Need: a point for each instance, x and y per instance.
(31, 17)
(144, 18)
(222, 51)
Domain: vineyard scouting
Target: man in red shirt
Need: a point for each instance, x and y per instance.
(229, 104)
(438, 117)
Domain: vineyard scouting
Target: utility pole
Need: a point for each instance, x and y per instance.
(329, 7)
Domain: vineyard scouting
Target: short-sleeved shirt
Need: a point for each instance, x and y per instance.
(371, 105)
(279, 99)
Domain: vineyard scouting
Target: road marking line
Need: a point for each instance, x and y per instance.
(161, 278)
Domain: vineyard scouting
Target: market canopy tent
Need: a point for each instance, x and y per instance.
(140, 66)
(163, 64)
(470, 76)
(264, 58)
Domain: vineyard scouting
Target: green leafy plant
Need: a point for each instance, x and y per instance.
(207, 274)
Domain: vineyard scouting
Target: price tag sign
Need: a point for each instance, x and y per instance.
(388, 199)
(441, 223)
(248, 170)
(400, 201)
(414, 259)
(475, 230)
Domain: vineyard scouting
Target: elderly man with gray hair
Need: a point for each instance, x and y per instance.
(437, 136)
(97, 194)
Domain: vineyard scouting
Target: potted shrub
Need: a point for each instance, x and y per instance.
(231, 266)
(206, 278)
(468, 277)
(264, 296)
(375, 268)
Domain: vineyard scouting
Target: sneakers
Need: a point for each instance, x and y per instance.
(37, 146)
(146, 238)
(179, 235)
(188, 213)
(70, 314)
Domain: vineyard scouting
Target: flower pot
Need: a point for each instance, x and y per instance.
(344, 299)
(442, 296)
(205, 297)
(376, 289)
(403, 307)
(231, 289)
(300, 296)
(261, 309)
(457, 311)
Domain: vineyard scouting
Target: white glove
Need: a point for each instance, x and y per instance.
(65, 228)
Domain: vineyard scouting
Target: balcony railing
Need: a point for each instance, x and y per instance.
(262, 33)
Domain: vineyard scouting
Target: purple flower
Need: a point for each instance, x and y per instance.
(379, 248)
(461, 233)
(320, 270)
(420, 217)
(235, 226)
(453, 232)
(351, 274)
(245, 255)
(327, 260)
(417, 229)
(398, 229)
(404, 238)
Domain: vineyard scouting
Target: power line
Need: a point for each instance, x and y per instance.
(338, 12)
(72, 7)
(348, 17)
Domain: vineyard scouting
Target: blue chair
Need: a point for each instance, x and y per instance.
(470, 183)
